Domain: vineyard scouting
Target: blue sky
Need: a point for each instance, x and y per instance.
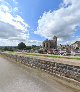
(32, 10)
(34, 21)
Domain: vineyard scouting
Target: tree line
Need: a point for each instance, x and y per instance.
(21, 46)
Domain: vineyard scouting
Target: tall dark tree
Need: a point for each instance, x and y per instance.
(21, 46)
(77, 48)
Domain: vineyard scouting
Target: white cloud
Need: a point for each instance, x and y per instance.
(34, 42)
(76, 38)
(12, 26)
(61, 22)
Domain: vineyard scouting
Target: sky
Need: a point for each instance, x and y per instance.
(33, 21)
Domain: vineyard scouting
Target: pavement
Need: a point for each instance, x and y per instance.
(15, 77)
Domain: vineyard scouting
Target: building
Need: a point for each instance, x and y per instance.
(76, 45)
(50, 44)
(64, 49)
(75, 48)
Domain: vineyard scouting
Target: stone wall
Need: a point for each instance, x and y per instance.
(52, 67)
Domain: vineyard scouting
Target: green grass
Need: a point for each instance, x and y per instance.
(10, 52)
(75, 58)
(55, 56)
(45, 55)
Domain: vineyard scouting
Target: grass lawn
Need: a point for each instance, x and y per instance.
(46, 55)
(54, 56)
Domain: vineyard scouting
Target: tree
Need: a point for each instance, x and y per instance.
(33, 47)
(77, 48)
(28, 47)
(21, 46)
(6, 48)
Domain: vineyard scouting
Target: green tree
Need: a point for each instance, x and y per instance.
(21, 46)
(6, 48)
(77, 48)
(28, 47)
